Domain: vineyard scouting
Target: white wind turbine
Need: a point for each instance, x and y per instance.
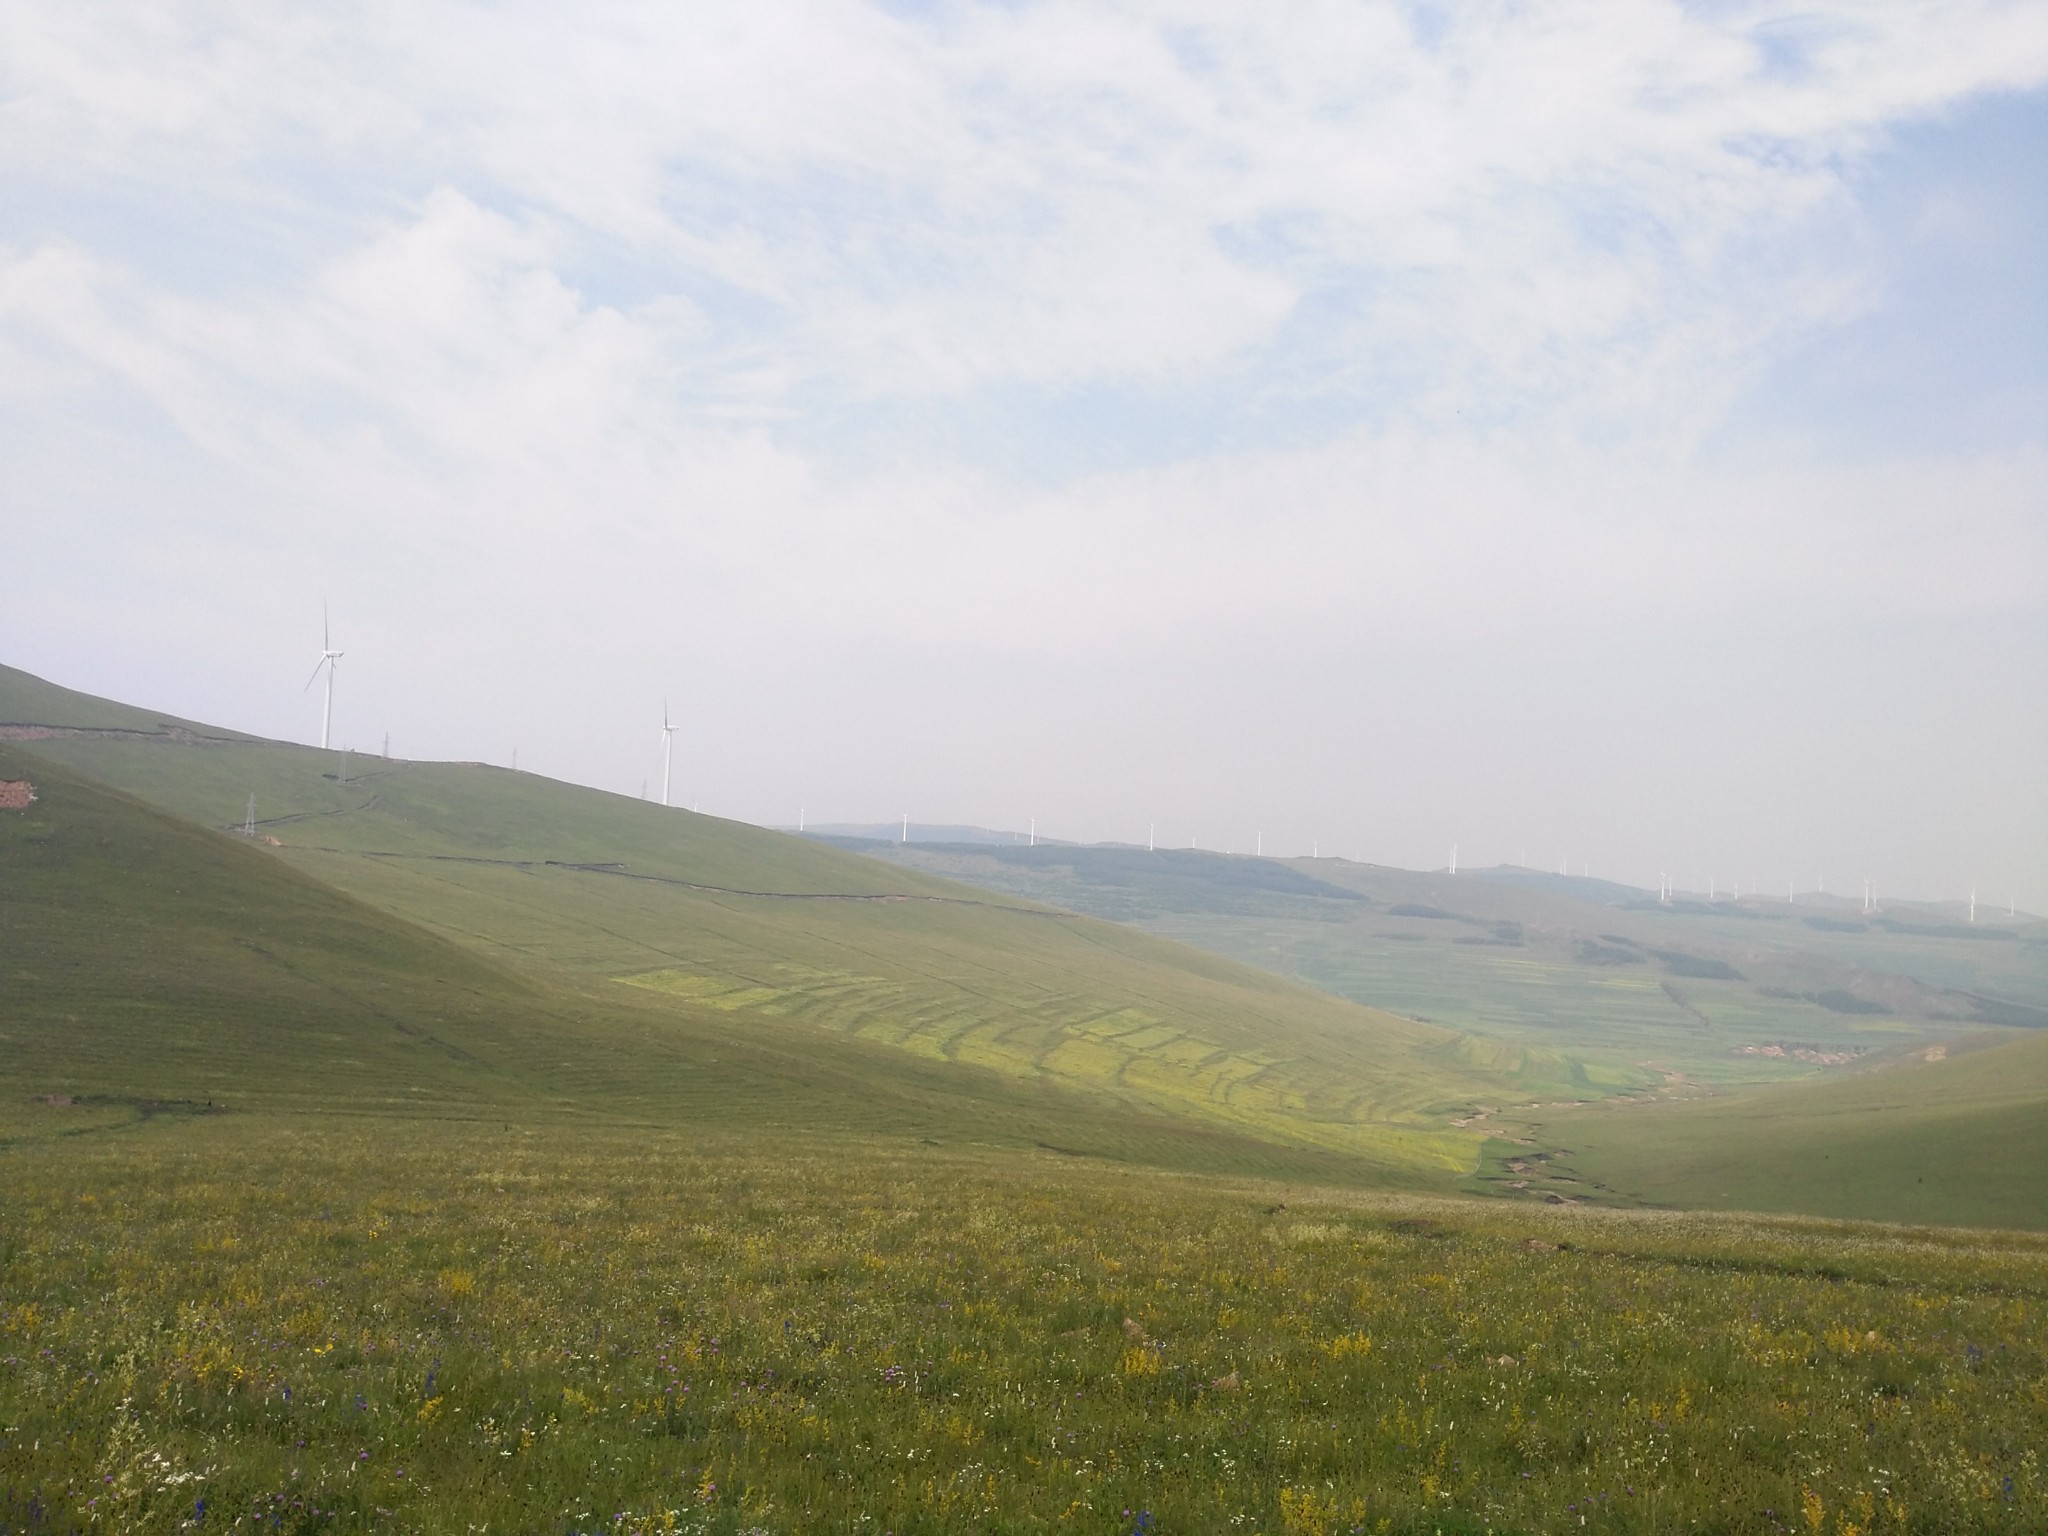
(668, 749)
(328, 657)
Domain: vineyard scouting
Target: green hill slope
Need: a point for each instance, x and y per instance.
(655, 913)
(1721, 993)
(146, 958)
(150, 967)
(1959, 1139)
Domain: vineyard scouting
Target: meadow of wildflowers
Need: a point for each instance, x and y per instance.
(243, 1323)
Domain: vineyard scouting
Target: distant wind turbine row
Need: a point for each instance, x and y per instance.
(1666, 885)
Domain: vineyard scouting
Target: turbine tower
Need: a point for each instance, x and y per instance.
(668, 749)
(328, 657)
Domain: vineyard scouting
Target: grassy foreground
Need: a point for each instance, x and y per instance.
(258, 1323)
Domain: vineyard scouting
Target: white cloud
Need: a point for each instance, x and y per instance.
(1045, 193)
(639, 320)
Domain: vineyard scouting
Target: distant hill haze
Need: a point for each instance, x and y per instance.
(918, 832)
(1638, 989)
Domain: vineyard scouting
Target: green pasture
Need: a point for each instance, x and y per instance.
(469, 1152)
(1959, 1138)
(625, 922)
(151, 968)
(309, 1324)
(460, 941)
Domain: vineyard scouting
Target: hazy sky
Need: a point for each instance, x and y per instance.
(1606, 430)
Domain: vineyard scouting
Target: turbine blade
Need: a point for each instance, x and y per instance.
(326, 643)
(316, 673)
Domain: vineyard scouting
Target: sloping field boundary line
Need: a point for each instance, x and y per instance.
(619, 871)
(29, 730)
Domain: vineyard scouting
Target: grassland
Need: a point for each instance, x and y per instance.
(488, 1155)
(528, 947)
(636, 911)
(307, 1325)
(1721, 994)
(149, 967)
(1954, 1139)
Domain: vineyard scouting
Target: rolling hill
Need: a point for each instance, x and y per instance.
(1716, 993)
(615, 913)
(452, 940)
(1949, 1135)
(151, 968)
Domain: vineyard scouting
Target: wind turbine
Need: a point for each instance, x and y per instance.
(328, 657)
(668, 749)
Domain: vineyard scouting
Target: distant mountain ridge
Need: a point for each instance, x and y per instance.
(919, 832)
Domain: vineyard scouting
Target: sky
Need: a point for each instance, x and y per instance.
(1608, 434)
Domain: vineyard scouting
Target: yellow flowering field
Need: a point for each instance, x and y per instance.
(235, 1323)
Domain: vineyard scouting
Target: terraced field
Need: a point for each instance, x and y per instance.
(1721, 993)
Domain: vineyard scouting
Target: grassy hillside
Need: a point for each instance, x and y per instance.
(148, 959)
(652, 913)
(1958, 1138)
(152, 968)
(463, 939)
(1720, 993)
